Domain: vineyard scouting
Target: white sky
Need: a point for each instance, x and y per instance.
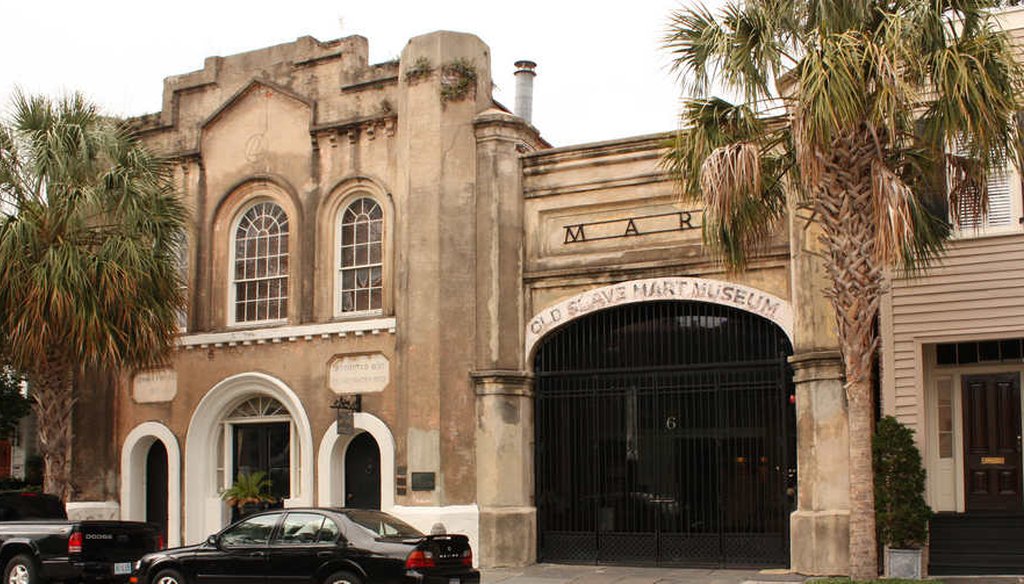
(601, 73)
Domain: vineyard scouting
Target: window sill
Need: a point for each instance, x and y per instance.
(279, 334)
(984, 232)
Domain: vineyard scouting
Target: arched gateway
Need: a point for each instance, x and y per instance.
(665, 433)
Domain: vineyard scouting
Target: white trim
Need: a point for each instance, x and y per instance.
(205, 513)
(133, 476)
(729, 294)
(307, 332)
(330, 461)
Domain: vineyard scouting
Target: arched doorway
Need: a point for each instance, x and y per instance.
(156, 487)
(218, 444)
(665, 433)
(362, 472)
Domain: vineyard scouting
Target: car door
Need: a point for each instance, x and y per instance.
(305, 541)
(238, 555)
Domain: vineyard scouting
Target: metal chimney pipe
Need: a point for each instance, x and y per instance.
(524, 89)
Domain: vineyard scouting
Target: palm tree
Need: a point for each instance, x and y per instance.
(89, 228)
(859, 111)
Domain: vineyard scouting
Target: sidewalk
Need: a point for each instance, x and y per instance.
(591, 574)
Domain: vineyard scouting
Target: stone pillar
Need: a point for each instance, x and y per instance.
(819, 528)
(504, 458)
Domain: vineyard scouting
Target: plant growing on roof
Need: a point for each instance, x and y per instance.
(421, 69)
(458, 80)
(873, 92)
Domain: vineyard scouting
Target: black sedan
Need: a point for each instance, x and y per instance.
(315, 546)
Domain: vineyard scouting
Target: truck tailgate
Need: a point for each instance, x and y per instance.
(116, 541)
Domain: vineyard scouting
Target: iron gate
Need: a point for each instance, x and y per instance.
(665, 434)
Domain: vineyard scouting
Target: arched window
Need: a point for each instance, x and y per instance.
(360, 269)
(261, 264)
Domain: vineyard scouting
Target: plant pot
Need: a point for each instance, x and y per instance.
(901, 563)
(248, 509)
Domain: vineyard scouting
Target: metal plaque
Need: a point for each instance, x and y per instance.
(423, 481)
(993, 460)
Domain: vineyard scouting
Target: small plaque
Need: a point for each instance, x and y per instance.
(346, 423)
(423, 481)
(993, 460)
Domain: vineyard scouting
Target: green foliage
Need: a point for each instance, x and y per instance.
(918, 75)
(89, 237)
(249, 488)
(458, 80)
(13, 404)
(419, 70)
(901, 512)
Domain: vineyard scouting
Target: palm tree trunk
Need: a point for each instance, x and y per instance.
(849, 226)
(51, 386)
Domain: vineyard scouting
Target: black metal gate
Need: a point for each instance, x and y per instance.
(665, 434)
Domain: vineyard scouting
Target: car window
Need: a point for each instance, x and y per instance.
(300, 528)
(381, 524)
(329, 531)
(253, 531)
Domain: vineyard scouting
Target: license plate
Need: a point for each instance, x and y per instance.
(121, 568)
(453, 581)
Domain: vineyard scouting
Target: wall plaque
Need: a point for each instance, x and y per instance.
(360, 373)
(423, 481)
(155, 386)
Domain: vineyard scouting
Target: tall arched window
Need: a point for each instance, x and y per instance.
(360, 269)
(261, 264)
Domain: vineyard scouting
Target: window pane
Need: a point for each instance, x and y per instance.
(299, 528)
(255, 531)
(348, 255)
(361, 255)
(375, 299)
(329, 531)
(375, 231)
(375, 253)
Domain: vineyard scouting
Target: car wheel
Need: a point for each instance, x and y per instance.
(21, 570)
(343, 578)
(168, 577)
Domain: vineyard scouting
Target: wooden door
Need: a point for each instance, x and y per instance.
(992, 442)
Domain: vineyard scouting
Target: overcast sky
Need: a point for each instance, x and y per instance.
(601, 74)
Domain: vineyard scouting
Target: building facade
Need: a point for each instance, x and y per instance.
(400, 296)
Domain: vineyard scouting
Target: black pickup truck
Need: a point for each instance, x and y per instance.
(38, 544)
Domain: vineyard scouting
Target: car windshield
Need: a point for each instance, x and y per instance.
(381, 524)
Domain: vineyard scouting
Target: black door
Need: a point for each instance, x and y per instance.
(992, 442)
(156, 487)
(267, 448)
(304, 543)
(665, 434)
(362, 473)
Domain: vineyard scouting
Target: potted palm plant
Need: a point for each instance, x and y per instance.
(250, 493)
(901, 512)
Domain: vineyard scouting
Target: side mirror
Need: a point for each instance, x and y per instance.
(212, 541)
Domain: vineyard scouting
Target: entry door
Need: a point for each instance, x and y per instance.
(362, 473)
(267, 448)
(992, 442)
(156, 486)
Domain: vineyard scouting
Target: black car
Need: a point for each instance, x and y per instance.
(315, 546)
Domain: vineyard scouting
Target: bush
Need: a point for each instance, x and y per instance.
(901, 513)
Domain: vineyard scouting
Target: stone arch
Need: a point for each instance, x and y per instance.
(205, 513)
(330, 461)
(720, 292)
(133, 463)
